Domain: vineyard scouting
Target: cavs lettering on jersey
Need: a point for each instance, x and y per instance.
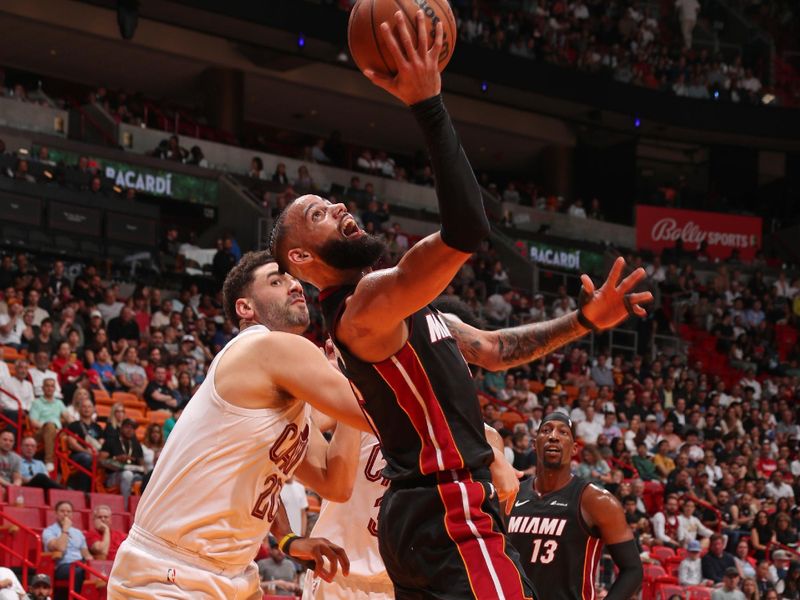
(421, 399)
(216, 486)
(353, 525)
(558, 550)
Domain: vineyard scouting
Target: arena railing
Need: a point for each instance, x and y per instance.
(28, 558)
(780, 546)
(71, 464)
(707, 505)
(94, 577)
(20, 418)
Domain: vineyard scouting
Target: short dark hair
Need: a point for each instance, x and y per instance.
(62, 502)
(239, 279)
(279, 239)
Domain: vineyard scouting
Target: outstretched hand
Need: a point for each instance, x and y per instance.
(614, 302)
(505, 479)
(316, 550)
(418, 76)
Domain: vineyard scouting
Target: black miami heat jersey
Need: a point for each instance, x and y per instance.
(557, 549)
(421, 400)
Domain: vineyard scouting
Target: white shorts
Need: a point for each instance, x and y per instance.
(146, 568)
(347, 588)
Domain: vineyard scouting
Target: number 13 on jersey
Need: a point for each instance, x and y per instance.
(543, 551)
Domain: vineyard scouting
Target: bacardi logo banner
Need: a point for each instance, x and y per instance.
(658, 228)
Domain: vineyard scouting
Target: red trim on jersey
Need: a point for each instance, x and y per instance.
(407, 399)
(590, 559)
(477, 561)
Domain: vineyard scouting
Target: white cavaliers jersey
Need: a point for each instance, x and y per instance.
(353, 525)
(216, 486)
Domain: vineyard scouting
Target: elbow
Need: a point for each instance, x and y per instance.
(340, 493)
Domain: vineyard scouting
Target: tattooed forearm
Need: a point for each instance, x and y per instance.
(519, 345)
(468, 338)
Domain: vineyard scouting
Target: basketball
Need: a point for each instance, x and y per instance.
(366, 42)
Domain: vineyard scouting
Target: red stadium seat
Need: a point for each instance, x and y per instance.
(78, 499)
(662, 553)
(114, 501)
(33, 497)
(28, 516)
(698, 592)
(133, 502)
(121, 521)
(665, 591)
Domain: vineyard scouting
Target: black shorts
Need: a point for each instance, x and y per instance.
(446, 541)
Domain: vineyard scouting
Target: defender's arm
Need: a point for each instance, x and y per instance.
(330, 469)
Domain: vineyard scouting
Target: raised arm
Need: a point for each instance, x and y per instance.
(600, 309)
(317, 382)
(330, 469)
(383, 299)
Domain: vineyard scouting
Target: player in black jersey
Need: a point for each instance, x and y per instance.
(560, 522)
(440, 530)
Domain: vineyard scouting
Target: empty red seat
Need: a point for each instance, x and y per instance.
(114, 501)
(662, 553)
(665, 591)
(121, 521)
(78, 499)
(698, 592)
(31, 496)
(133, 503)
(25, 515)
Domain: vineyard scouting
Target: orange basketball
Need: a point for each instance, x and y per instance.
(366, 41)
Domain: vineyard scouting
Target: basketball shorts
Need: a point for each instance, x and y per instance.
(443, 538)
(147, 568)
(351, 587)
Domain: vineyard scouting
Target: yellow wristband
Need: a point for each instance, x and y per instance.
(285, 540)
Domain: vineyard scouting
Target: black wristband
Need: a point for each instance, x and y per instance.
(287, 546)
(585, 322)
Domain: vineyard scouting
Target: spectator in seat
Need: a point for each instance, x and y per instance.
(197, 158)
(223, 261)
(601, 372)
(730, 583)
(124, 327)
(174, 150)
(22, 171)
(115, 419)
(280, 176)
(161, 317)
(46, 418)
(10, 587)
(40, 587)
(318, 152)
(41, 371)
(778, 488)
(717, 562)
(662, 461)
(375, 214)
(130, 374)
(110, 307)
(33, 471)
(158, 394)
(762, 535)
(744, 562)
(691, 527)
(151, 445)
(103, 365)
(18, 385)
(666, 524)
(62, 537)
(103, 541)
(645, 467)
(91, 433)
(499, 307)
(690, 571)
(257, 169)
(304, 181)
(591, 427)
(293, 496)
(44, 340)
(278, 575)
(524, 454)
(10, 461)
(122, 458)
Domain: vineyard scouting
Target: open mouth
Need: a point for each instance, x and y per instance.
(349, 227)
(552, 451)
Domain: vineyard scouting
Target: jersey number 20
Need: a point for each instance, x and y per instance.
(543, 552)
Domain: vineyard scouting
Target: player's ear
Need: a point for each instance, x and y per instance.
(298, 256)
(244, 309)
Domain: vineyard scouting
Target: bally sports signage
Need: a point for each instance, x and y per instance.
(658, 228)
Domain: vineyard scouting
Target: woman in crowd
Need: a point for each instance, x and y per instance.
(784, 533)
(593, 467)
(151, 445)
(115, 418)
(744, 562)
(761, 535)
(71, 414)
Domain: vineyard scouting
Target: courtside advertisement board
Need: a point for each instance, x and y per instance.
(658, 228)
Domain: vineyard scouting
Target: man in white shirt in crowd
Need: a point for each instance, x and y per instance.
(778, 488)
(41, 371)
(293, 496)
(18, 385)
(591, 427)
(110, 307)
(498, 306)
